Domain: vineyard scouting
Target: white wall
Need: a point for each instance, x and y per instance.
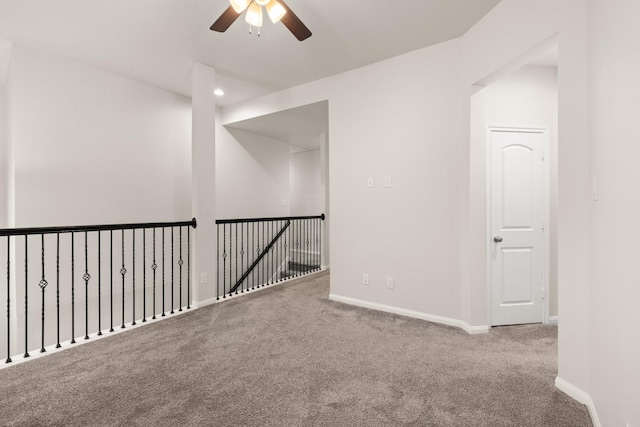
(252, 175)
(526, 97)
(94, 147)
(4, 159)
(408, 117)
(614, 88)
(306, 186)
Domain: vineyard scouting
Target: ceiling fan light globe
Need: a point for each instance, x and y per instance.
(275, 11)
(239, 5)
(262, 2)
(254, 15)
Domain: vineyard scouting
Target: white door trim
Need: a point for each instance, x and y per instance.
(545, 209)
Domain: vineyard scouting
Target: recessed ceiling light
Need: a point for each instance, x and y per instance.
(218, 92)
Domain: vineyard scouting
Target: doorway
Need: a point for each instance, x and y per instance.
(517, 213)
(524, 99)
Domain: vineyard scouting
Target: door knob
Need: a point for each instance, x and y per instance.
(497, 239)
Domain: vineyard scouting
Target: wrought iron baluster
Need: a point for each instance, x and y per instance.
(111, 279)
(242, 254)
(218, 261)
(26, 296)
(58, 290)
(154, 267)
(133, 276)
(224, 261)
(73, 289)
(172, 265)
(99, 283)
(188, 268)
(308, 248)
(43, 284)
(123, 271)
(271, 253)
(86, 278)
(180, 262)
(253, 245)
(236, 258)
(144, 275)
(320, 244)
(8, 360)
(163, 246)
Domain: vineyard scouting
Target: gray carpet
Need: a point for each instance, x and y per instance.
(287, 356)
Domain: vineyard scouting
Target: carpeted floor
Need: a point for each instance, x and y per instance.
(287, 356)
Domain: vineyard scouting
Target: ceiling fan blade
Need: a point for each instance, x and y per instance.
(294, 24)
(225, 20)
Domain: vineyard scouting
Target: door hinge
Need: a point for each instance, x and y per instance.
(543, 155)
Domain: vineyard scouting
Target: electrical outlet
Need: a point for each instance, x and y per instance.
(365, 279)
(203, 278)
(390, 282)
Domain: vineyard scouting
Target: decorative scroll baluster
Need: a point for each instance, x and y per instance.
(144, 275)
(242, 254)
(43, 284)
(180, 262)
(188, 268)
(86, 278)
(99, 284)
(172, 266)
(123, 271)
(8, 360)
(154, 267)
(133, 277)
(111, 279)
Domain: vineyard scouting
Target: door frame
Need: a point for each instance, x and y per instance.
(546, 181)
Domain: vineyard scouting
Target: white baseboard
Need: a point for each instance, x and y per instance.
(553, 320)
(472, 330)
(579, 395)
(204, 303)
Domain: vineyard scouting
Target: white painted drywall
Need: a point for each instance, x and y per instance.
(614, 92)
(4, 159)
(408, 117)
(252, 175)
(306, 186)
(526, 97)
(94, 147)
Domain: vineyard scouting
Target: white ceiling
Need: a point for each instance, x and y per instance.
(157, 41)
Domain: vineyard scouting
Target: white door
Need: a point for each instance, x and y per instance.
(516, 225)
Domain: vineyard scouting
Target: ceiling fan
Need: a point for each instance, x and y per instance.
(276, 9)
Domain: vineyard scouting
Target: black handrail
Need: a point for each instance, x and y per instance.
(282, 218)
(104, 227)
